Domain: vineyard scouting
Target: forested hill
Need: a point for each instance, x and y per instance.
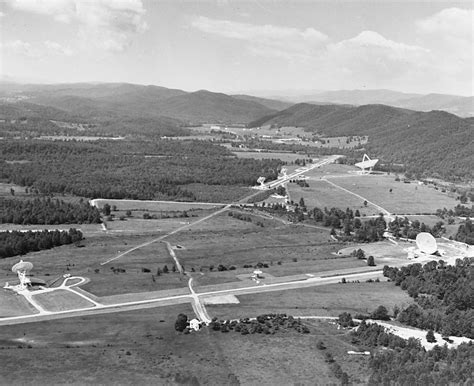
(120, 99)
(432, 143)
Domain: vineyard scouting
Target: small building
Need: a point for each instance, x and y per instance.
(194, 324)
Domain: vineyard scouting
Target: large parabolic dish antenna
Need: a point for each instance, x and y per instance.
(22, 266)
(366, 163)
(426, 243)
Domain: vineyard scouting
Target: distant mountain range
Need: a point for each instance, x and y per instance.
(435, 142)
(431, 143)
(121, 99)
(455, 104)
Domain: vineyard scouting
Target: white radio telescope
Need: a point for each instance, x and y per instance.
(426, 243)
(261, 181)
(21, 269)
(367, 164)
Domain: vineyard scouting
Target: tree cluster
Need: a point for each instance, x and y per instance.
(465, 233)
(263, 324)
(245, 217)
(402, 227)
(13, 243)
(408, 363)
(47, 211)
(444, 296)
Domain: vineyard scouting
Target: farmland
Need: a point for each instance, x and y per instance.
(328, 300)
(396, 196)
(142, 346)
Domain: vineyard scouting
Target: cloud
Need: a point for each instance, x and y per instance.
(372, 59)
(56, 48)
(453, 22)
(265, 40)
(19, 47)
(47, 48)
(107, 24)
(2, 14)
(450, 36)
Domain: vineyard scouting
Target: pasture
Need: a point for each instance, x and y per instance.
(61, 300)
(142, 347)
(325, 300)
(395, 196)
(12, 304)
(136, 272)
(323, 195)
(152, 206)
(287, 250)
(284, 156)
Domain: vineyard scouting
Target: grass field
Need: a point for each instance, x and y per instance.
(153, 206)
(142, 347)
(61, 300)
(86, 262)
(12, 304)
(231, 242)
(321, 194)
(404, 198)
(327, 300)
(287, 157)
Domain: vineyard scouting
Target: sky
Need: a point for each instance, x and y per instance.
(233, 46)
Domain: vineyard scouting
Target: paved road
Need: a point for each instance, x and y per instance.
(193, 297)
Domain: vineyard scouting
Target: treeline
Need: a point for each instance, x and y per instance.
(465, 233)
(47, 211)
(402, 227)
(128, 169)
(444, 296)
(13, 243)
(406, 362)
(262, 324)
(458, 211)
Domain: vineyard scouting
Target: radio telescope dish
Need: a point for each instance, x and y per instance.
(426, 243)
(367, 164)
(22, 266)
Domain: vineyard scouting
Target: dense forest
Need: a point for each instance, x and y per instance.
(47, 211)
(13, 243)
(127, 169)
(401, 362)
(444, 296)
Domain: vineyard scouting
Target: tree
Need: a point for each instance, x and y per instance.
(12, 191)
(365, 203)
(345, 320)
(360, 254)
(181, 322)
(370, 261)
(128, 213)
(430, 336)
(381, 313)
(165, 269)
(106, 209)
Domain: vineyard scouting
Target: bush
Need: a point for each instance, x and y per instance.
(181, 322)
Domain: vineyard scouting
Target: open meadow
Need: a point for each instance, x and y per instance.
(136, 272)
(396, 196)
(323, 195)
(325, 300)
(142, 346)
(229, 242)
(13, 305)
